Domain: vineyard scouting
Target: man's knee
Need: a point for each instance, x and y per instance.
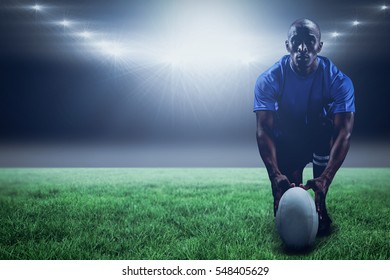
(294, 175)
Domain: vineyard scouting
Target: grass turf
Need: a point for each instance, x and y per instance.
(60, 213)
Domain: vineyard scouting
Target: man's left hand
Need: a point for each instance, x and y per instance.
(319, 185)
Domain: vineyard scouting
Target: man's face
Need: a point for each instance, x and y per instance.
(303, 44)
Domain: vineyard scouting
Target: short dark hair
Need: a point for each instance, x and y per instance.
(305, 22)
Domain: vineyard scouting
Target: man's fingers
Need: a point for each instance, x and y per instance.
(311, 184)
(304, 187)
(320, 202)
(292, 185)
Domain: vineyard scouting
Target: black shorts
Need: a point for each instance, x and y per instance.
(295, 151)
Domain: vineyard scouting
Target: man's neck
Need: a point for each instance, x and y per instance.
(306, 71)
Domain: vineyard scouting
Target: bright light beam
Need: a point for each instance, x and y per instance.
(65, 23)
(355, 23)
(110, 48)
(384, 7)
(37, 7)
(85, 34)
(194, 41)
(335, 34)
(208, 44)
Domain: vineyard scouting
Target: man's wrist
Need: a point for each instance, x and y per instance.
(273, 175)
(327, 178)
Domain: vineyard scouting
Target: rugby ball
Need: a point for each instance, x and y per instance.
(297, 218)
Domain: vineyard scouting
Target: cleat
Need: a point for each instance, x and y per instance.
(324, 225)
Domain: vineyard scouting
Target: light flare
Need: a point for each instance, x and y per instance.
(335, 34)
(65, 23)
(37, 7)
(85, 34)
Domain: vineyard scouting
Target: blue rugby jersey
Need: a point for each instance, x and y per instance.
(302, 101)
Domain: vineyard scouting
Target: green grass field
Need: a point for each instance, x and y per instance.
(174, 213)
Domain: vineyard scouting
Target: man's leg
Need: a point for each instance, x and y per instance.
(323, 143)
(295, 175)
(320, 160)
(292, 157)
(319, 164)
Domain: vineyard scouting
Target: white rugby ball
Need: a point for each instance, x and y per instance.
(297, 218)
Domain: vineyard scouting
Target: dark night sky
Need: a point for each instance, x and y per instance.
(54, 88)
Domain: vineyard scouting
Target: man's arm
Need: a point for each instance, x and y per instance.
(267, 150)
(265, 142)
(343, 125)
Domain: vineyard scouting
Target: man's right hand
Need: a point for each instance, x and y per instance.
(280, 184)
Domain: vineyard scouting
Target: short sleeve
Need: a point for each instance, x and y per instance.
(342, 92)
(265, 94)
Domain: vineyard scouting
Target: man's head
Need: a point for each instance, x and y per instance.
(304, 43)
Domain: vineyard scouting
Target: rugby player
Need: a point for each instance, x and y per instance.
(304, 108)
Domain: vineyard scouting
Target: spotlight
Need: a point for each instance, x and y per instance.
(65, 23)
(355, 23)
(37, 7)
(335, 34)
(384, 7)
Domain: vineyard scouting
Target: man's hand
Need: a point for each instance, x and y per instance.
(280, 184)
(320, 187)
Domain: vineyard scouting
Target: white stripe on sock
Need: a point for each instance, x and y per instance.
(317, 157)
(319, 163)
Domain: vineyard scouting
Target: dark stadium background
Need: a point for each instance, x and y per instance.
(60, 106)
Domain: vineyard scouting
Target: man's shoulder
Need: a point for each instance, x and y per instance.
(328, 67)
(275, 72)
(331, 71)
(339, 85)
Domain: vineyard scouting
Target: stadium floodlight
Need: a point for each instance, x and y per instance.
(355, 23)
(197, 46)
(193, 41)
(65, 23)
(384, 7)
(335, 34)
(208, 49)
(37, 7)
